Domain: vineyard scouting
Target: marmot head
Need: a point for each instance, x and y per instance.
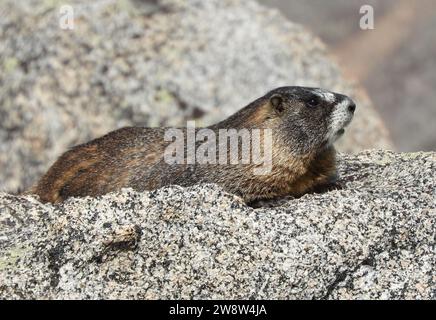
(309, 118)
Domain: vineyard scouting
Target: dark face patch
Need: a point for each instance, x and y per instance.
(305, 116)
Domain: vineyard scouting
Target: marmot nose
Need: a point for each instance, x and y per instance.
(352, 107)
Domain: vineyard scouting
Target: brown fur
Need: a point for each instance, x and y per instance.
(133, 157)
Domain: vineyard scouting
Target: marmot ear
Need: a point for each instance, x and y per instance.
(277, 103)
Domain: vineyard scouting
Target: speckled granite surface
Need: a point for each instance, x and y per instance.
(147, 63)
(375, 238)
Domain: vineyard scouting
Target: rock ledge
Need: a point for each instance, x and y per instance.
(373, 239)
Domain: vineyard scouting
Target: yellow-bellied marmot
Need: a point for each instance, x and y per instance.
(305, 122)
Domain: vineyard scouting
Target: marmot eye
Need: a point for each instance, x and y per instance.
(313, 102)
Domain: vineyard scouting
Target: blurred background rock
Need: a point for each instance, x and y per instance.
(395, 62)
(154, 63)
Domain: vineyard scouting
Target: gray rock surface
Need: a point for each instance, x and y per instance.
(147, 63)
(375, 238)
(397, 64)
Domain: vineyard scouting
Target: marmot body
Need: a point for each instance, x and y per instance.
(305, 122)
